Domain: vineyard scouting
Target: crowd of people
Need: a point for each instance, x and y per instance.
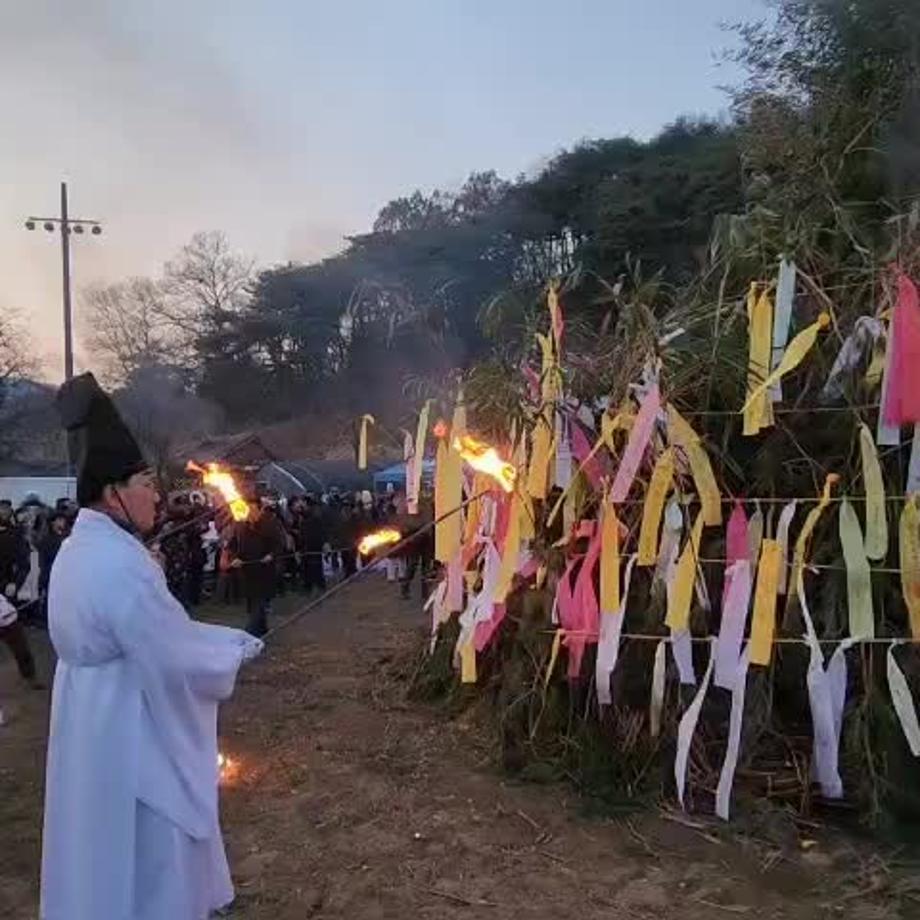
(298, 544)
(295, 544)
(30, 537)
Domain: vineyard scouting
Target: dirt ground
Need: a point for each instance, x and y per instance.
(347, 801)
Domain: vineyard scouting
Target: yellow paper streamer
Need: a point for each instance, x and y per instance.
(876, 510)
(448, 495)
(910, 560)
(458, 422)
(526, 517)
(610, 559)
(876, 368)
(801, 543)
(859, 584)
(553, 656)
(468, 663)
(362, 441)
(798, 348)
(763, 622)
(421, 434)
(659, 486)
(681, 434)
(758, 412)
(684, 579)
(552, 302)
(549, 376)
(540, 456)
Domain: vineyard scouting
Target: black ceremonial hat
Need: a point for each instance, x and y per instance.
(101, 447)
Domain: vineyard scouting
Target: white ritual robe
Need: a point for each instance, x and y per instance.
(131, 814)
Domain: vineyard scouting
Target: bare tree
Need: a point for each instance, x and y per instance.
(17, 363)
(29, 429)
(127, 328)
(206, 285)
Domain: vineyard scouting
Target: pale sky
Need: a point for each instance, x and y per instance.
(288, 123)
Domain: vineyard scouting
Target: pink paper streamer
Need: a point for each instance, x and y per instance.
(454, 598)
(902, 398)
(577, 605)
(736, 535)
(595, 468)
(639, 437)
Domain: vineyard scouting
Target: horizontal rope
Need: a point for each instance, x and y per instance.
(777, 640)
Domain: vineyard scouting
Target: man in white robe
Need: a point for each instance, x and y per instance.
(131, 808)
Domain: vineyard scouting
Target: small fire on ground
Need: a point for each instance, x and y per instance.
(227, 768)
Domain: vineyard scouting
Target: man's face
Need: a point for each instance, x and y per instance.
(139, 498)
(59, 525)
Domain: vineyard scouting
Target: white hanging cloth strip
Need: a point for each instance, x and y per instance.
(685, 731)
(608, 645)
(734, 619)
(867, 330)
(656, 697)
(782, 316)
(727, 775)
(903, 702)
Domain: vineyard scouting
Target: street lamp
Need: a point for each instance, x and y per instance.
(67, 226)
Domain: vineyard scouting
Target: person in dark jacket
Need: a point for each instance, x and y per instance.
(255, 547)
(311, 535)
(58, 530)
(14, 567)
(14, 554)
(419, 549)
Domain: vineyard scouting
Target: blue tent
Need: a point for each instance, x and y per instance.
(395, 475)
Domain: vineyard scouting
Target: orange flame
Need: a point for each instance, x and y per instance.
(485, 459)
(226, 768)
(378, 538)
(215, 475)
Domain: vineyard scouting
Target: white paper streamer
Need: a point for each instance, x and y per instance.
(682, 650)
(480, 606)
(727, 776)
(671, 530)
(782, 537)
(563, 453)
(453, 599)
(435, 603)
(866, 332)
(837, 684)
(887, 435)
(826, 704)
(608, 644)
(734, 619)
(755, 534)
(656, 700)
(903, 702)
(686, 729)
(586, 416)
(411, 486)
(913, 467)
(782, 314)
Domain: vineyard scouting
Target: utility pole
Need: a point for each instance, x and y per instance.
(67, 226)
